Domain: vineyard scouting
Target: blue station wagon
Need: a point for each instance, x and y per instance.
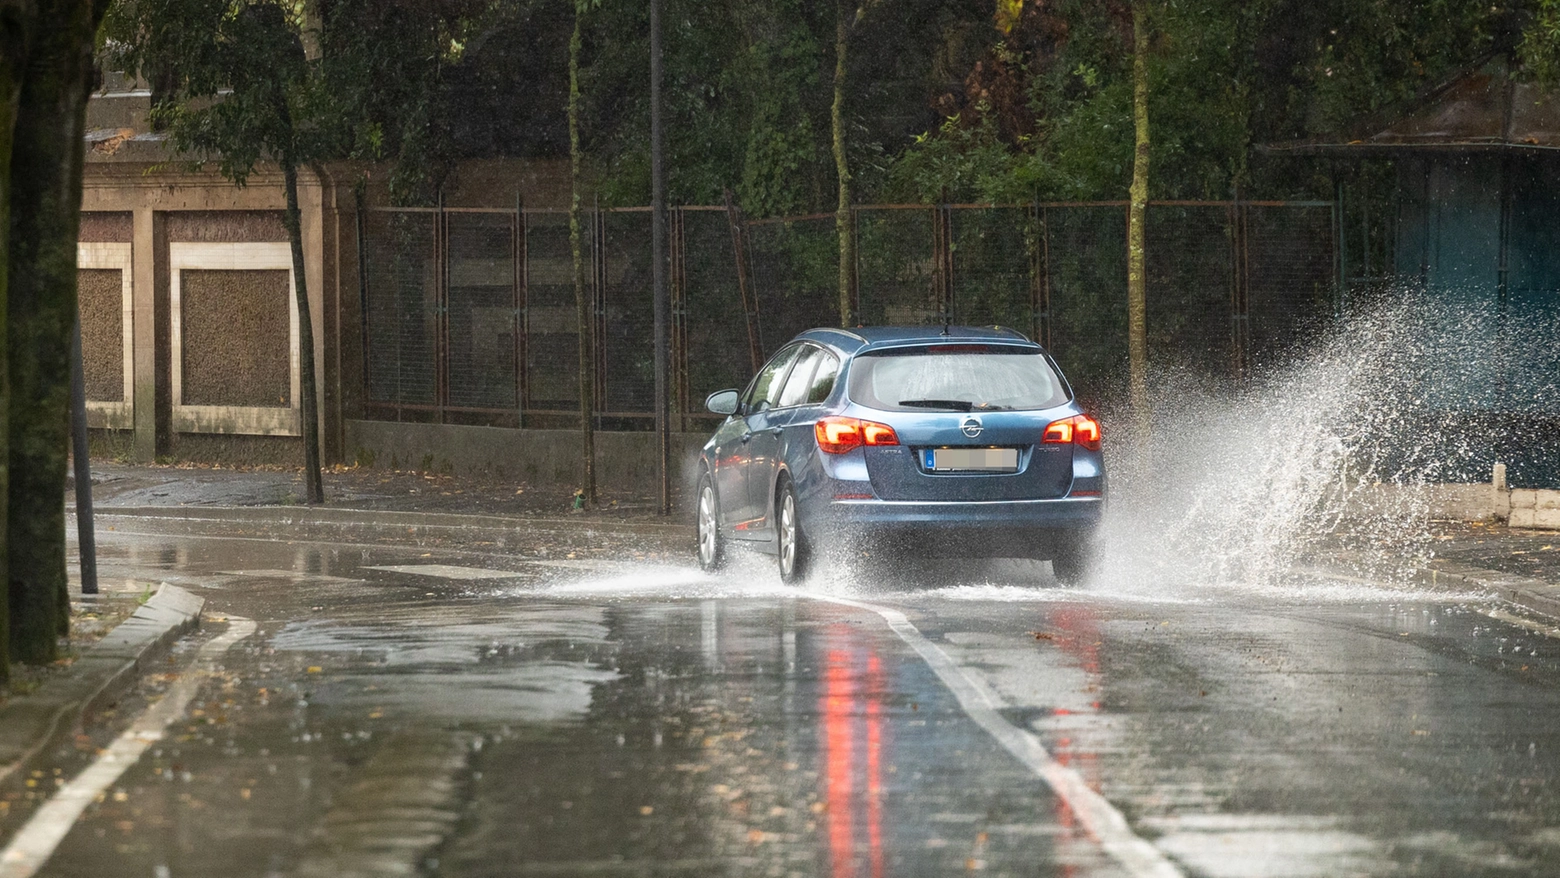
(925, 441)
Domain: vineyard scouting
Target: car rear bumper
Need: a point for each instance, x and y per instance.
(999, 529)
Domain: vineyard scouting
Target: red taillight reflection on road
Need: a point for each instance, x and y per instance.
(850, 699)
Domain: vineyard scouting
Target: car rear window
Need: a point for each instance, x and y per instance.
(955, 378)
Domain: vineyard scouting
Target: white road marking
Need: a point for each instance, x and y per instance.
(1099, 817)
(37, 840)
(287, 574)
(449, 571)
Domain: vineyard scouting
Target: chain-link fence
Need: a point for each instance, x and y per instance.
(471, 315)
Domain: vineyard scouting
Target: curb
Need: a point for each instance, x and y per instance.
(1534, 595)
(34, 724)
(403, 522)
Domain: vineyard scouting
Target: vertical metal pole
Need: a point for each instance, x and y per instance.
(679, 298)
(658, 262)
(598, 313)
(1040, 277)
(86, 539)
(1340, 263)
(855, 265)
(362, 266)
(518, 298)
(1237, 249)
(441, 298)
(744, 283)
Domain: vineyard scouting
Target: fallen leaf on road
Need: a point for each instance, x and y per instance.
(1041, 635)
(315, 669)
(646, 810)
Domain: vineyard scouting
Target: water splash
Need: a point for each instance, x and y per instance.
(1330, 455)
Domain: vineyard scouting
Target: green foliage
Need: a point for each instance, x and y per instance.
(748, 91)
(1540, 48)
(244, 90)
(1225, 76)
(419, 83)
(965, 163)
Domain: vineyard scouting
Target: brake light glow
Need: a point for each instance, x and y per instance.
(1081, 430)
(840, 435)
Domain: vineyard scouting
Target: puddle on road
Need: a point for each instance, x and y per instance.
(538, 664)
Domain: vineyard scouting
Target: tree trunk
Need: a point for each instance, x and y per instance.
(581, 301)
(45, 202)
(1137, 213)
(15, 20)
(308, 397)
(842, 223)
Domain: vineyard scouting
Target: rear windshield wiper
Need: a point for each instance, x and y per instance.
(958, 405)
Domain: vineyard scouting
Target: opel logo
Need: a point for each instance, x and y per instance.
(971, 427)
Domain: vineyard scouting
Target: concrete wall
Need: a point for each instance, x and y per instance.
(624, 461)
(1494, 501)
(159, 205)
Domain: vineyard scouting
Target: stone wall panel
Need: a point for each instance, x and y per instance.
(102, 226)
(226, 226)
(101, 292)
(235, 338)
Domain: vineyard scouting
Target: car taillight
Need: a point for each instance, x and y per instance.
(1081, 430)
(839, 435)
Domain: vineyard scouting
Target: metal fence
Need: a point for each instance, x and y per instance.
(470, 316)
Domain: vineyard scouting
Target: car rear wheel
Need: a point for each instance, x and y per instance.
(795, 554)
(1074, 564)
(712, 549)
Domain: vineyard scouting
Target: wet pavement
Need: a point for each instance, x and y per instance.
(454, 709)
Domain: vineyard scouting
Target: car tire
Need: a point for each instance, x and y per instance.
(791, 543)
(1074, 564)
(711, 549)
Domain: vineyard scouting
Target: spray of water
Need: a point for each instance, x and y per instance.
(1329, 455)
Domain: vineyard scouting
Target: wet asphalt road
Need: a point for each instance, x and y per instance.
(485, 712)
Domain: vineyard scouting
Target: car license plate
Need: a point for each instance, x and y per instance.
(971, 460)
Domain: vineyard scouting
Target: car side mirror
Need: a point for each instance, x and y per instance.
(723, 402)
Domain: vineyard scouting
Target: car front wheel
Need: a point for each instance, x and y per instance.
(712, 550)
(795, 555)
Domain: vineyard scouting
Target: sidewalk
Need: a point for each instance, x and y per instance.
(47, 706)
(1522, 566)
(381, 490)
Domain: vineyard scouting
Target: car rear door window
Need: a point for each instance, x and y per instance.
(956, 378)
(823, 379)
(796, 386)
